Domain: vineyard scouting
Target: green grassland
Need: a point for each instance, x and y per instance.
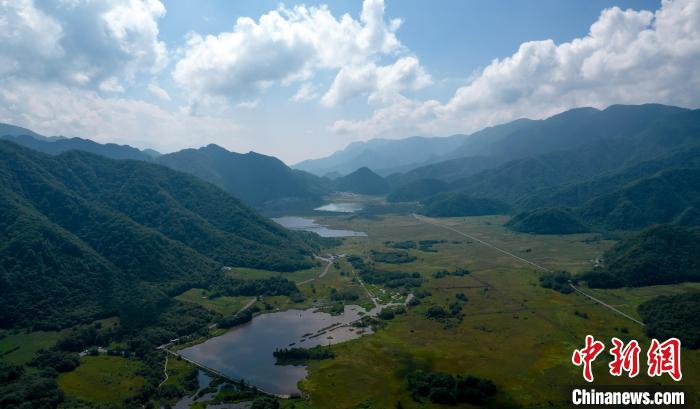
(102, 379)
(513, 331)
(222, 305)
(19, 348)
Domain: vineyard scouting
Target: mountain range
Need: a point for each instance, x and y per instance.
(604, 165)
(84, 234)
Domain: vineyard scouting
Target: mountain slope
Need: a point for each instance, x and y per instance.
(252, 177)
(82, 235)
(662, 254)
(547, 221)
(461, 205)
(362, 181)
(658, 199)
(519, 180)
(501, 143)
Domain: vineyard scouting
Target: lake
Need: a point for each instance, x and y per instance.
(303, 223)
(245, 352)
(340, 207)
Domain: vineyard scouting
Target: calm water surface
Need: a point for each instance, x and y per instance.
(340, 207)
(303, 223)
(246, 351)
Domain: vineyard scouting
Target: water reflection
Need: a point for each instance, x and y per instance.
(303, 223)
(246, 351)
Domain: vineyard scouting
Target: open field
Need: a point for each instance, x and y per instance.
(222, 305)
(102, 379)
(18, 349)
(513, 331)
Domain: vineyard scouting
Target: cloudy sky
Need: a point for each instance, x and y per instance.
(302, 80)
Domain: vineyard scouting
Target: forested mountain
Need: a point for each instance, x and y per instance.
(417, 190)
(83, 235)
(460, 204)
(663, 254)
(547, 221)
(640, 176)
(362, 181)
(661, 198)
(513, 140)
(252, 177)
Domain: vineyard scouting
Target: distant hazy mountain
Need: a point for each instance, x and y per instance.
(624, 182)
(521, 180)
(56, 146)
(82, 234)
(517, 139)
(258, 180)
(12, 130)
(254, 178)
(362, 181)
(384, 155)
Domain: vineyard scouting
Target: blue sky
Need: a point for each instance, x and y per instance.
(301, 80)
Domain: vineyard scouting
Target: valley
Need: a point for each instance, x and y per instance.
(145, 281)
(506, 324)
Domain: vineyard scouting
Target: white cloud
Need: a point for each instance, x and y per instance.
(628, 56)
(383, 84)
(248, 104)
(157, 91)
(290, 45)
(100, 44)
(306, 92)
(111, 84)
(85, 113)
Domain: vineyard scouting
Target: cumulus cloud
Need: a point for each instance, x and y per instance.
(628, 56)
(290, 45)
(83, 112)
(383, 83)
(98, 44)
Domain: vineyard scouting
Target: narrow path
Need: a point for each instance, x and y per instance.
(605, 305)
(221, 374)
(428, 221)
(165, 371)
(248, 305)
(328, 261)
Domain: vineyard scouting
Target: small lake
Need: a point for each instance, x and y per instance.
(303, 223)
(340, 207)
(245, 352)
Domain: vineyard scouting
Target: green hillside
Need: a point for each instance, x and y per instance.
(460, 204)
(658, 199)
(547, 221)
(362, 181)
(418, 190)
(88, 235)
(663, 254)
(254, 178)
